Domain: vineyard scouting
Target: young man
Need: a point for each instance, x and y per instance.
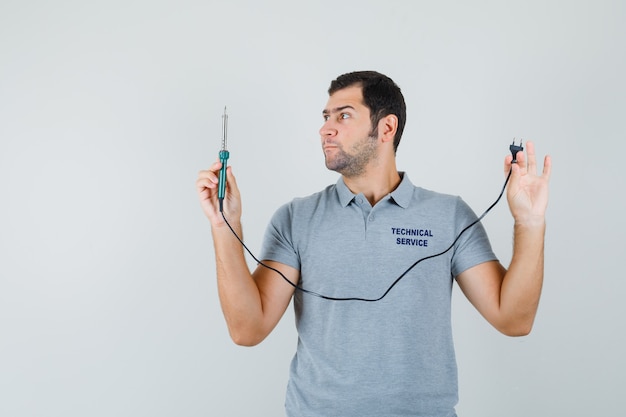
(394, 356)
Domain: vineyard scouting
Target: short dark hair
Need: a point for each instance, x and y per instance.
(380, 94)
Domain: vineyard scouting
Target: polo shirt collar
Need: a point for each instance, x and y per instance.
(402, 195)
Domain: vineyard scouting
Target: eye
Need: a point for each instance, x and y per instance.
(326, 117)
(344, 116)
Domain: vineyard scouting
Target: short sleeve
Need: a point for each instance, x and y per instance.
(278, 244)
(473, 246)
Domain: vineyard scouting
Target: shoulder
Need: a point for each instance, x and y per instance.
(307, 205)
(441, 207)
(430, 198)
(430, 195)
(326, 195)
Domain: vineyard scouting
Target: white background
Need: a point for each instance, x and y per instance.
(108, 109)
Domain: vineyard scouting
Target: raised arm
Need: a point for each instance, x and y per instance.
(509, 299)
(252, 303)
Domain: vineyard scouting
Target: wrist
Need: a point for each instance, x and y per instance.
(220, 226)
(530, 222)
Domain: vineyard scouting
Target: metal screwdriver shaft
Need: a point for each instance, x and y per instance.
(224, 154)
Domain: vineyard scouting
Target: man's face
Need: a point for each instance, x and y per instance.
(347, 138)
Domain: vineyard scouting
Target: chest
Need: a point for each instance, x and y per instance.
(361, 251)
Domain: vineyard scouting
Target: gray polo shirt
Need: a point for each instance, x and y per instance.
(393, 357)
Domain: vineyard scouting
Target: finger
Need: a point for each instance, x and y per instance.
(212, 169)
(203, 183)
(519, 163)
(532, 158)
(547, 167)
(514, 176)
(507, 164)
(216, 166)
(231, 182)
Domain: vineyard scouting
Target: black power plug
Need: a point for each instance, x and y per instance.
(515, 149)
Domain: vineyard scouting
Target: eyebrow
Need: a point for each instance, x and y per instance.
(337, 109)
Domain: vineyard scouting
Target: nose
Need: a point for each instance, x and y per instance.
(327, 130)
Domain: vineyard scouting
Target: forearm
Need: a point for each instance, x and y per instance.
(521, 287)
(239, 295)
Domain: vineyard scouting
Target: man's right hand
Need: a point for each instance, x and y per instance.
(207, 187)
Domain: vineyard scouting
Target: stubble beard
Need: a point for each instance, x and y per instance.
(354, 164)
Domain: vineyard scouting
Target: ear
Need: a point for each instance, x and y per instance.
(387, 127)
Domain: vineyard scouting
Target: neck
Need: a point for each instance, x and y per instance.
(375, 183)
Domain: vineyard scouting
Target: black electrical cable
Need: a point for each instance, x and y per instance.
(326, 297)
